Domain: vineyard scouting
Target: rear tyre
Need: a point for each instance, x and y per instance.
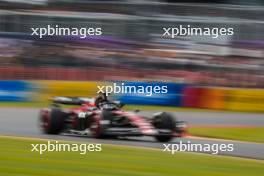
(164, 121)
(52, 122)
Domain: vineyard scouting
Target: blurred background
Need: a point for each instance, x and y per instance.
(223, 73)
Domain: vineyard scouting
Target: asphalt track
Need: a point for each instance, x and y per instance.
(23, 122)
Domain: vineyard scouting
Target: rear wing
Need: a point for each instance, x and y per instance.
(72, 100)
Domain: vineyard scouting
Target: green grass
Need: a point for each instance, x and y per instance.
(16, 159)
(252, 134)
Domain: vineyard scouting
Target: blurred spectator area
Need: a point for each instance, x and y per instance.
(131, 47)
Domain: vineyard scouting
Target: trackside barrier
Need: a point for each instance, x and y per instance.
(13, 90)
(173, 96)
(200, 97)
(49, 89)
(192, 96)
(245, 100)
(177, 95)
(224, 98)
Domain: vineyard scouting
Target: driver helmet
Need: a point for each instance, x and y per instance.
(100, 99)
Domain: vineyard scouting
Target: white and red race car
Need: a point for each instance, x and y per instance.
(102, 118)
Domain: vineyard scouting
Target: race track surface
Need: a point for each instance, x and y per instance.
(24, 122)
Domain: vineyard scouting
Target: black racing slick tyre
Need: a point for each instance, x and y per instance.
(164, 121)
(52, 121)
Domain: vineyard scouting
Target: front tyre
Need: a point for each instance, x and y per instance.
(95, 127)
(100, 123)
(52, 121)
(164, 121)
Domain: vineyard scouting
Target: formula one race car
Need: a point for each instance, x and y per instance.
(103, 118)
